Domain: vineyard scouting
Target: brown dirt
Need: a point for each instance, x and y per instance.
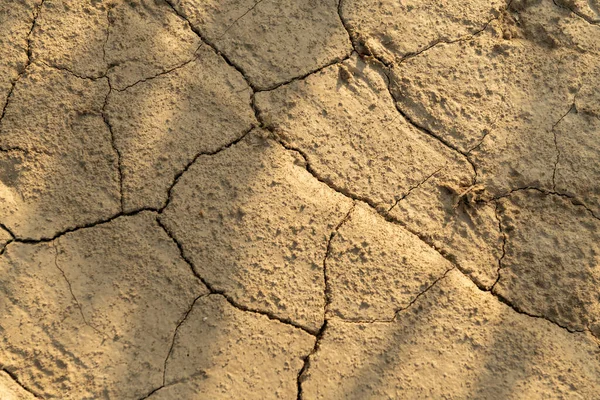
(260, 199)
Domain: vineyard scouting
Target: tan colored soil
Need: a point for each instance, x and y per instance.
(337, 199)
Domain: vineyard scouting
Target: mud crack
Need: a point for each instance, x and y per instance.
(229, 299)
(113, 142)
(504, 239)
(36, 13)
(566, 6)
(394, 220)
(574, 200)
(327, 298)
(210, 44)
(181, 321)
(16, 379)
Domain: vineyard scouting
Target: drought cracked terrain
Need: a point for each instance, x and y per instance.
(299, 199)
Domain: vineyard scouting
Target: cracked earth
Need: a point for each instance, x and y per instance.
(244, 199)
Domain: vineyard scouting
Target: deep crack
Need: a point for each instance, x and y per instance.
(504, 239)
(36, 14)
(327, 289)
(421, 237)
(223, 293)
(16, 379)
(211, 45)
(57, 235)
(425, 130)
(306, 360)
(577, 13)
(113, 142)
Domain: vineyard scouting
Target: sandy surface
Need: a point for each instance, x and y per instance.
(242, 199)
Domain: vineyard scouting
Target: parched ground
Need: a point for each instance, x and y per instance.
(299, 199)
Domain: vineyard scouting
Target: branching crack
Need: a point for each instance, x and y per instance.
(572, 199)
(346, 192)
(356, 45)
(128, 213)
(84, 226)
(327, 298)
(306, 361)
(4, 227)
(3, 248)
(193, 161)
(519, 310)
(346, 27)
(18, 382)
(238, 68)
(426, 131)
(394, 220)
(221, 292)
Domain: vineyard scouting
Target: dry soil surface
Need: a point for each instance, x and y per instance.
(299, 199)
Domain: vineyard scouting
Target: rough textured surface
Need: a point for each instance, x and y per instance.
(375, 268)
(589, 10)
(11, 390)
(342, 118)
(577, 170)
(248, 199)
(255, 224)
(551, 263)
(258, 38)
(220, 350)
(344, 121)
(160, 125)
(105, 330)
(16, 21)
(393, 30)
(499, 94)
(454, 342)
(448, 214)
(72, 35)
(62, 170)
(128, 41)
(145, 38)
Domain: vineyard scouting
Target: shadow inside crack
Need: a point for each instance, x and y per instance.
(126, 314)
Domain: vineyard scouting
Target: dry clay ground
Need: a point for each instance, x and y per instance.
(376, 199)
